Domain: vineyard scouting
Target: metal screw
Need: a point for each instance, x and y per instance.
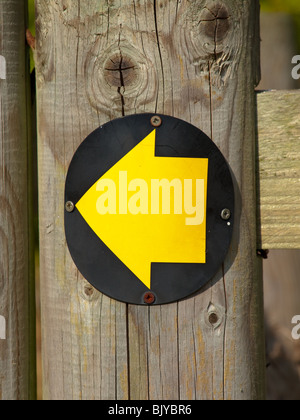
(156, 121)
(70, 206)
(149, 298)
(226, 214)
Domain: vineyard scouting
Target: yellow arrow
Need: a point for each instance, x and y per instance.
(150, 209)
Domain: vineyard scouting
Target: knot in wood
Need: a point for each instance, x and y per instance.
(120, 71)
(213, 318)
(89, 291)
(215, 22)
(118, 79)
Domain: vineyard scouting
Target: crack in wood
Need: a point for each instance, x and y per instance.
(122, 86)
(160, 54)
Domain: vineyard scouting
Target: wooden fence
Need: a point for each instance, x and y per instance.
(17, 346)
(198, 61)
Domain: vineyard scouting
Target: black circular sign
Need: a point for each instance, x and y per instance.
(172, 278)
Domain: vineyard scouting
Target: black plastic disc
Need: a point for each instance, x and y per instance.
(99, 152)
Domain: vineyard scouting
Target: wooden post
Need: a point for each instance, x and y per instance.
(198, 61)
(17, 345)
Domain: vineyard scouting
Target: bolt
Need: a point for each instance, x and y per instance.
(149, 298)
(226, 214)
(156, 121)
(213, 318)
(70, 206)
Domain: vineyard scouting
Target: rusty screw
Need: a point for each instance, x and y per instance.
(70, 206)
(156, 121)
(149, 298)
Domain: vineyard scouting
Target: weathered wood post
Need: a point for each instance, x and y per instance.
(17, 345)
(198, 61)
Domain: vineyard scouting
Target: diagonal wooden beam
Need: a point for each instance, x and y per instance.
(279, 169)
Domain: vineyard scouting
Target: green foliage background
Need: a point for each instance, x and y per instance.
(31, 16)
(288, 6)
(31, 27)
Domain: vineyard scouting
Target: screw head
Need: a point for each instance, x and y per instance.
(156, 121)
(149, 298)
(226, 214)
(70, 206)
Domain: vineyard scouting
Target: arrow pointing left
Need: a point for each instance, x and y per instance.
(150, 209)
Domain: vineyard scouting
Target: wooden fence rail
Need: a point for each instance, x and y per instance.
(278, 169)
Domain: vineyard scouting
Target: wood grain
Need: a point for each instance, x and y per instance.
(279, 169)
(198, 61)
(17, 370)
